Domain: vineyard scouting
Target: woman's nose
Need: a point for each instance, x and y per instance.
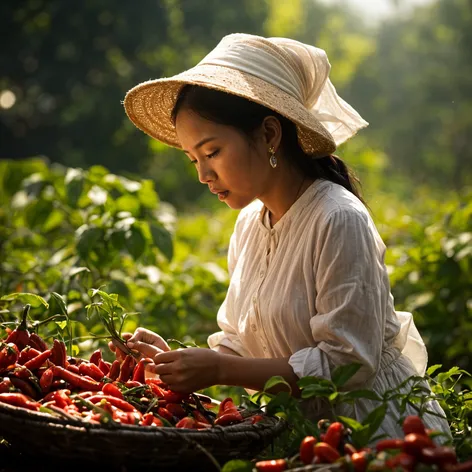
(205, 174)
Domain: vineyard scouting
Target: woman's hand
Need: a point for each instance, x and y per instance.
(187, 370)
(145, 341)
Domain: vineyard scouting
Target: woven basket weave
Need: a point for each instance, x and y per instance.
(41, 435)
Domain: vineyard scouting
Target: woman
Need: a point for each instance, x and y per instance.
(309, 289)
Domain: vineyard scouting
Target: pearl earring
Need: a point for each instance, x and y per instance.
(273, 157)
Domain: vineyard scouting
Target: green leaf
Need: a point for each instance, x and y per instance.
(61, 324)
(74, 183)
(431, 370)
(343, 373)
(355, 394)
(351, 422)
(31, 298)
(135, 242)
(75, 350)
(163, 240)
(237, 466)
(375, 417)
(319, 390)
(309, 380)
(61, 303)
(87, 240)
(276, 380)
(37, 214)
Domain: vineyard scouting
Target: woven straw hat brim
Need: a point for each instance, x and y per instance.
(149, 105)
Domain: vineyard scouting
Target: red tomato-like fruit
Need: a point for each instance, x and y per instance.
(413, 424)
(415, 443)
(307, 449)
(359, 461)
(275, 465)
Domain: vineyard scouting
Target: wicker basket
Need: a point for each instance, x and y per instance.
(133, 447)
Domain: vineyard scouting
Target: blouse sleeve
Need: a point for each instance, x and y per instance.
(228, 336)
(351, 294)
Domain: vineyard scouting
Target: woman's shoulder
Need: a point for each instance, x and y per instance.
(249, 214)
(332, 200)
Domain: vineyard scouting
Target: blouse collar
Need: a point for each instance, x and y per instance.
(305, 198)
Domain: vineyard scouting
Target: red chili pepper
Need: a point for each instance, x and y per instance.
(59, 356)
(117, 402)
(228, 418)
(415, 443)
(156, 390)
(114, 370)
(226, 406)
(39, 360)
(165, 413)
(73, 368)
(138, 374)
(413, 424)
(126, 369)
(92, 370)
(27, 354)
(76, 380)
(25, 386)
(439, 455)
(128, 417)
(187, 423)
(326, 453)
(8, 355)
(334, 434)
(112, 390)
(46, 379)
(275, 465)
(256, 418)
(20, 336)
(18, 399)
(307, 449)
(59, 397)
(96, 357)
(385, 444)
(175, 397)
(104, 366)
(132, 384)
(5, 385)
(148, 419)
(178, 411)
(37, 343)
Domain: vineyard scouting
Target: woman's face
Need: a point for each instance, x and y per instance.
(236, 170)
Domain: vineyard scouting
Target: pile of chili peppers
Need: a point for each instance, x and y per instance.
(40, 377)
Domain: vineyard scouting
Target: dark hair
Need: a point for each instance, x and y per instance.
(246, 116)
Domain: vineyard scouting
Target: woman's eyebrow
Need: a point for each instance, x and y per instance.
(201, 143)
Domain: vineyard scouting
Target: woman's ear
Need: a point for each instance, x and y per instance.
(271, 132)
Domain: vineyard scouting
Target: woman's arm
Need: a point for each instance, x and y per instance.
(253, 373)
(191, 369)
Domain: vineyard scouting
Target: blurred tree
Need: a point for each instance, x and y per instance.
(67, 66)
(420, 81)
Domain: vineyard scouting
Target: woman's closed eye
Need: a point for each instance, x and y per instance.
(209, 156)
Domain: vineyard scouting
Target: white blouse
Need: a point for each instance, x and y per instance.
(315, 288)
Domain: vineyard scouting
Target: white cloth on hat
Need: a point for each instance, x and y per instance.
(298, 69)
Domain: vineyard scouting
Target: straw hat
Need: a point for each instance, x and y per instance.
(284, 75)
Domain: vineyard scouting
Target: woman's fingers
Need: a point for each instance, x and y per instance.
(147, 350)
(149, 337)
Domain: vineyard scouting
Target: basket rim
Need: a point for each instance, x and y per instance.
(269, 423)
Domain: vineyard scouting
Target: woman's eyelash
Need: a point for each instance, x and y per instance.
(209, 156)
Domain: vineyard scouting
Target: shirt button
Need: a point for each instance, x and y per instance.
(254, 327)
(254, 299)
(264, 348)
(261, 273)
